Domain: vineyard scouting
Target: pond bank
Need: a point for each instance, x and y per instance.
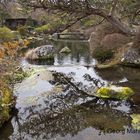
(7, 99)
(111, 47)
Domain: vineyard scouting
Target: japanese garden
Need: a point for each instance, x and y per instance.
(69, 69)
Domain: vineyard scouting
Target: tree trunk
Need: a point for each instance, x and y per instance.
(123, 27)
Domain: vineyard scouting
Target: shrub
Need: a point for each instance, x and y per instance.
(23, 30)
(43, 29)
(17, 35)
(87, 22)
(5, 102)
(6, 34)
(10, 49)
(102, 54)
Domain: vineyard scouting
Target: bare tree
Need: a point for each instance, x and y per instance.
(114, 11)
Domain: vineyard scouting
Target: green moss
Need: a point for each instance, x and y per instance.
(6, 97)
(5, 113)
(121, 93)
(135, 121)
(43, 28)
(5, 101)
(65, 50)
(6, 34)
(103, 92)
(20, 76)
(124, 93)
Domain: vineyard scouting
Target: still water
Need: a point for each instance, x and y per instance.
(52, 104)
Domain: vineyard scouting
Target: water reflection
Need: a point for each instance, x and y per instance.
(67, 112)
(72, 121)
(6, 131)
(80, 55)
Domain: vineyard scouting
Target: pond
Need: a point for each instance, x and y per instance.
(52, 104)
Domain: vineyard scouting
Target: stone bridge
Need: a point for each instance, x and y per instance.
(69, 36)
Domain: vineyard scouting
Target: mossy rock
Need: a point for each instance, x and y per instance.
(45, 52)
(21, 76)
(65, 50)
(114, 92)
(135, 121)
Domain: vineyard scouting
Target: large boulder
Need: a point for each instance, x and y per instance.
(130, 56)
(131, 53)
(99, 33)
(115, 41)
(107, 28)
(42, 52)
(105, 41)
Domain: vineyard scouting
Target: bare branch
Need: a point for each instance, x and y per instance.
(113, 8)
